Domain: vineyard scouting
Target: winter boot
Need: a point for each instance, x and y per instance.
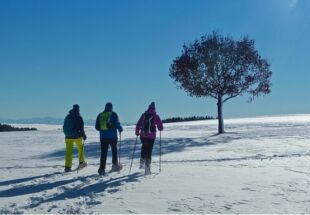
(115, 168)
(67, 169)
(142, 163)
(101, 171)
(82, 165)
(147, 167)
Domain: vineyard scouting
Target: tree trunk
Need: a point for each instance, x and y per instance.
(220, 114)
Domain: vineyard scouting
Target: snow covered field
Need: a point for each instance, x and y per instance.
(261, 165)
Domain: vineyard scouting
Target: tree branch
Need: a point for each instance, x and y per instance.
(232, 97)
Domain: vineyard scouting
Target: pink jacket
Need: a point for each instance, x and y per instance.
(157, 122)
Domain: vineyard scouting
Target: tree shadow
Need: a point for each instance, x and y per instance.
(221, 134)
(168, 145)
(182, 144)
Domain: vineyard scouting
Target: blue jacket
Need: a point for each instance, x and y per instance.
(112, 132)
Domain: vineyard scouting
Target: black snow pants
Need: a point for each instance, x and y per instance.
(146, 151)
(104, 151)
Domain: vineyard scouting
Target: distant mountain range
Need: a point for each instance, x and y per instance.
(41, 120)
(59, 121)
(45, 120)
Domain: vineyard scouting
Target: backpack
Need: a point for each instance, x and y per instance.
(148, 124)
(105, 121)
(68, 126)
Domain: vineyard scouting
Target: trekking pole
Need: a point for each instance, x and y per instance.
(119, 149)
(133, 153)
(159, 151)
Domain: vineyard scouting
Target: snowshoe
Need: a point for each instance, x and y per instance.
(81, 166)
(116, 168)
(147, 166)
(142, 166)
(67, 169)
(101, 172)
(147, 170)
(142, 163)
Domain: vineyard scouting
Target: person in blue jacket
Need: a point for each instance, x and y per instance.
(107, 123)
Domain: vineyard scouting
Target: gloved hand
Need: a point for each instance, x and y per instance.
(137, 133)
(84, 137)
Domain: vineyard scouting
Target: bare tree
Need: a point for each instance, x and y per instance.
(221, 68)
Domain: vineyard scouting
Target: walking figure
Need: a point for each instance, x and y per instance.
(107, 123)
(146, 127)
(73, 129)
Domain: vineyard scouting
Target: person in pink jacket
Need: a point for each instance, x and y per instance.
(146, 127)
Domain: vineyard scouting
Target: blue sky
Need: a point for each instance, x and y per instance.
(57, 53)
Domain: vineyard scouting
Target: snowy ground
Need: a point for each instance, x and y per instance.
(261, 165)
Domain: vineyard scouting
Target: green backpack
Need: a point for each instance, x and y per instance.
(105, 121)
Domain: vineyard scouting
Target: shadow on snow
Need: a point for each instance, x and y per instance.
(70, 193)
(92, 150)
(168, 145)
(22, 180)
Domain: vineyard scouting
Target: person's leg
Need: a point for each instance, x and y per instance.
(113, 143)
(103, 157)
(148, 155)
(80, 147)
(69, 150)
(143, 153)
(149, 149)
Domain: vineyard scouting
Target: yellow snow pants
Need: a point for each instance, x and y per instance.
(69, 150)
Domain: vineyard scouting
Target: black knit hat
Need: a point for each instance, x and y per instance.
(108, 106)
(76, 107)
(152, 105)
